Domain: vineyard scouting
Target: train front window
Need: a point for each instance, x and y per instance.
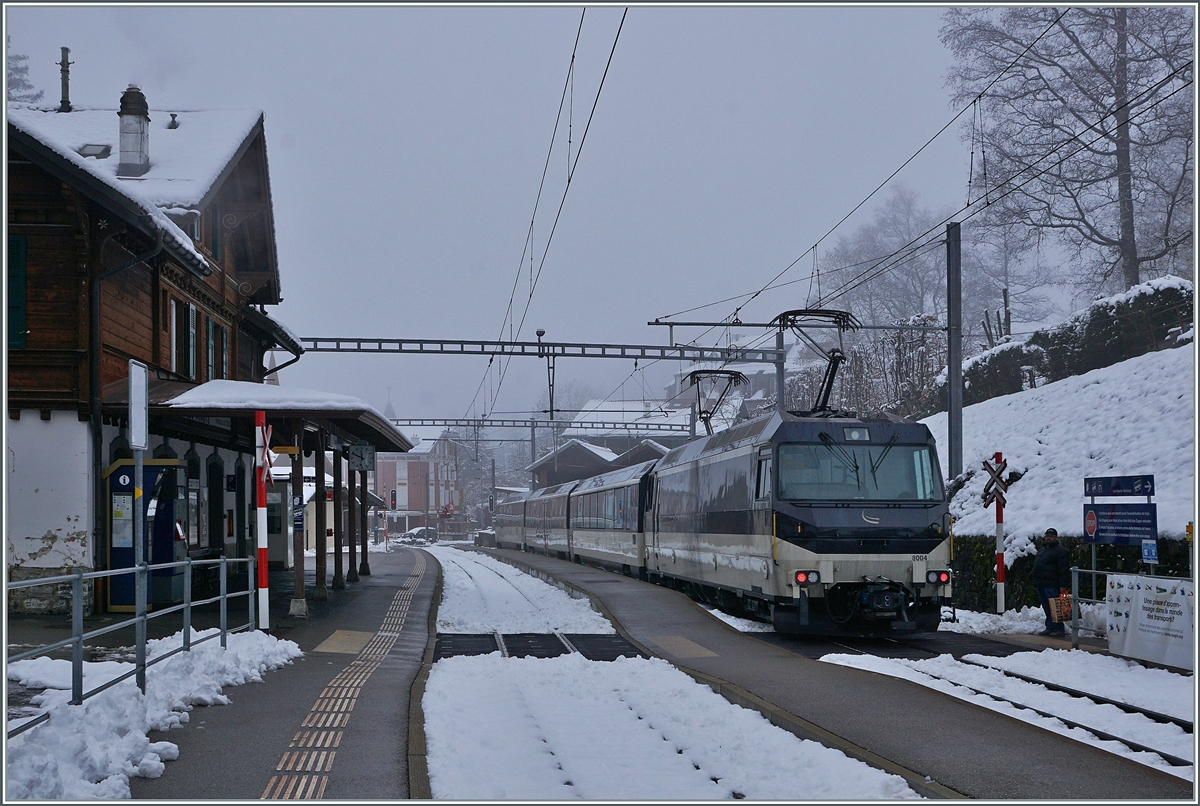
(834, 471)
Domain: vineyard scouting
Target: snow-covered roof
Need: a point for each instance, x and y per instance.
(604, 454)
(185, 162)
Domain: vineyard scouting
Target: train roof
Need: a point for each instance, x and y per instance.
(745, 434)
(550, 492)
(764, 427)
(615, 478)
(514, 497)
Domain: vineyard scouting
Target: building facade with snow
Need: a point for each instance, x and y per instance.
(132, 234)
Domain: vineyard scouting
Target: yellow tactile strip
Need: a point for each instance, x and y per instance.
(302, 771)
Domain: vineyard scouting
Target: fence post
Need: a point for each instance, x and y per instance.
(1075, 607)
(140, 614)
(77, 634)
(187, 605)
(251, 589)
(224, 601)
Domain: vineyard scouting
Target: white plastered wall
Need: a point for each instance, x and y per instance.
(48, 472)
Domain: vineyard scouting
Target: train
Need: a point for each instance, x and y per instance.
(822, 523)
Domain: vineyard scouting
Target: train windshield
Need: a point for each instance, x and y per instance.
(834, 471)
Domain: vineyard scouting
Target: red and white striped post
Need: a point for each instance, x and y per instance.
(999, 544)
(262, 439)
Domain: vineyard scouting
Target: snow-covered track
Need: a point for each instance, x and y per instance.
(1174, 761)
(1155, 716)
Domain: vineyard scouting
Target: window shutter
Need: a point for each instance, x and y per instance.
(210, 344)
(174, 339)
(190, 350)
(16, 292)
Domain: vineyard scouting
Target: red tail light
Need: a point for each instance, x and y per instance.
(808, 577)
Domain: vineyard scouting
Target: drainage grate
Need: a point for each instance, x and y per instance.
(603, 647)
(534, 645)
(451, 644)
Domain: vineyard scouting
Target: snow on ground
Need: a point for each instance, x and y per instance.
(635, 729)
(481, 595)
(1086, 671)
(738, 623)
(91, 750)
(1135, 417)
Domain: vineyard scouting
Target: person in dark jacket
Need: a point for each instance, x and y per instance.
(1051, 575)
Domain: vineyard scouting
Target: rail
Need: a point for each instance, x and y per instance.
(139, 620)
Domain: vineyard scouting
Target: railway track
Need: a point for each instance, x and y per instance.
(958, 645)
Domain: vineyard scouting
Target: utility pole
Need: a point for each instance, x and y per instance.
(780, 381)
(954, 349)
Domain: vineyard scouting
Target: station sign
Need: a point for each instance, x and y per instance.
(298, 512)
(1118, 485)
(1120, 524)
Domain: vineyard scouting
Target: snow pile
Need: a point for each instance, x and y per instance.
(1136, 417)
(483, 595)
(568, 728)
(1089, 672)
(1114, 678)
(91, 750)
(1027, 620)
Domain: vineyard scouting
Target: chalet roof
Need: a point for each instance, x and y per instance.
(188, 164)
(574, 445)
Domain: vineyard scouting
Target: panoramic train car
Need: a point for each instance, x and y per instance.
(606, 519)
(824, 524)
(546, 521)
(510, 521)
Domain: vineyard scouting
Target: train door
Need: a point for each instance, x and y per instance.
(650, 523)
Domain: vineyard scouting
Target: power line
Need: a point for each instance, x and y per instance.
(892, 175)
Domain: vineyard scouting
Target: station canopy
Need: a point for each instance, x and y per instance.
(222, 413)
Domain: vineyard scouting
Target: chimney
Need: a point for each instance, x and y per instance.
(135, 133)
(65, 105)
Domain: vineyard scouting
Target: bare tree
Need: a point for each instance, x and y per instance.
(911, 285)
(18, 87)
(1102, 82)
(1002, 256)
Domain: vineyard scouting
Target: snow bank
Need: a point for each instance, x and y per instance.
(569, 728)
(1135, 417)
(91, 750)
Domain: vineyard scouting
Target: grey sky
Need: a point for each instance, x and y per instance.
(406, 146)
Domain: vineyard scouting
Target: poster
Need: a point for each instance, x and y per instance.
(1151, 618)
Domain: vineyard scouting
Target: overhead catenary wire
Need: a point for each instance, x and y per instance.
(903, 165)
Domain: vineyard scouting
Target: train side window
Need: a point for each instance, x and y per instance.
(762, 487)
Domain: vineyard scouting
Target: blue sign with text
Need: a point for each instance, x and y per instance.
(1119, 485)
(1150, 552)
(1120, 524)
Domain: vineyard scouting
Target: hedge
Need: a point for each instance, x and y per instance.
(974, 567)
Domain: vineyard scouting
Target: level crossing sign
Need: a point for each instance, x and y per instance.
(995, 488)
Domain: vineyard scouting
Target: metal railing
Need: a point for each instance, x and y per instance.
(139, 620)
(1075, 600)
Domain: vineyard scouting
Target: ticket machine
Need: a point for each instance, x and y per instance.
(165, 509)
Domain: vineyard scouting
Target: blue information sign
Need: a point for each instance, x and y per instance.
(1119, 485)
(1150, 552)
(1120, 524)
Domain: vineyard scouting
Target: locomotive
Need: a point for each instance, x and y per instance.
(821, 522)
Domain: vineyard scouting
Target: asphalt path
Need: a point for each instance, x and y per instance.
(971, 750)
(332, 724)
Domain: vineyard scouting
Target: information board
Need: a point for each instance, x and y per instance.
(1120, 524)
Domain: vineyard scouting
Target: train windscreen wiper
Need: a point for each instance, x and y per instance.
(877, 463)
(842, 455)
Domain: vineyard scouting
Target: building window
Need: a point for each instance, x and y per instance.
(183, 348)
(210, 349)
(16, 291)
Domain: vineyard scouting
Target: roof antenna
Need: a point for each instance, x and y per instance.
(174, 124)
(65, 105)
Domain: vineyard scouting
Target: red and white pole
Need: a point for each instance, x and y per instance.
(999, 545)
(262, 468)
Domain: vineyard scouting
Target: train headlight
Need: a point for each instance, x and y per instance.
(937, 577)
(807, 577)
